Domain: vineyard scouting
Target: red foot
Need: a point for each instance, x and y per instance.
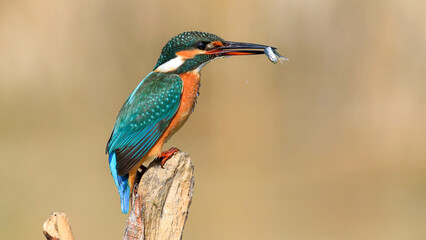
(167, 155)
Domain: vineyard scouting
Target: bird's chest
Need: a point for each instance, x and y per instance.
(191, 86)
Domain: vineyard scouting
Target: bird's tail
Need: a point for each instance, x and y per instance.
(122, 183)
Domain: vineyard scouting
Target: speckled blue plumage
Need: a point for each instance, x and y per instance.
(144, 117)
(140, 123)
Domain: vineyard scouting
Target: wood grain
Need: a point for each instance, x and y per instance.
(162, 200)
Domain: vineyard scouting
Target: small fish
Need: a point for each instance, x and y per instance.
(274, 56)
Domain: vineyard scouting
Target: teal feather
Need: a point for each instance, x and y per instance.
(143, 118)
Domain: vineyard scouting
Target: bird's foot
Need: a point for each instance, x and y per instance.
(164, 156)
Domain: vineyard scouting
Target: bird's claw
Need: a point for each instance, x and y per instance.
(164, 156)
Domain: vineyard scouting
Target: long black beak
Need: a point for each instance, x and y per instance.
(238, 48)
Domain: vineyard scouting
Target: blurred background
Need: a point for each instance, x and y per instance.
(331, 145)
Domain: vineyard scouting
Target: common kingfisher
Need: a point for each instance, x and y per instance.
(162, 102)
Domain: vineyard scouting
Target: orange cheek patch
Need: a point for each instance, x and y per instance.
(217, 43)
(189, 53)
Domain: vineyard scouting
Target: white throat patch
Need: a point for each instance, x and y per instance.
(171, 65)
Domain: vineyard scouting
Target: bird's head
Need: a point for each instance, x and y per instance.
(192, 50)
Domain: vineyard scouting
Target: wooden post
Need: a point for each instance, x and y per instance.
(160, 204)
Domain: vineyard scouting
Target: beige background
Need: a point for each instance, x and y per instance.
(331, 145)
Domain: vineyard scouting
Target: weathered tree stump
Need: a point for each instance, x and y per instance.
(160, 204)
(162, 200)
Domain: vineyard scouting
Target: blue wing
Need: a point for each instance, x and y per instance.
(143, 119)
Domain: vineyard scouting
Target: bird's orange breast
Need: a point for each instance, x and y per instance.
(191, 86)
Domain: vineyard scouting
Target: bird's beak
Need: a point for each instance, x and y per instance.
(238, 48)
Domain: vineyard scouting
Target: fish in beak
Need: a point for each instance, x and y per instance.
(240, 48)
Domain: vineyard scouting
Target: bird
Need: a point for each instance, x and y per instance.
(162, 102)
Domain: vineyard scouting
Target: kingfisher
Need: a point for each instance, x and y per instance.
(162, 102)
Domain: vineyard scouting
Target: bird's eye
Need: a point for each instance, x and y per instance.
(202, 45)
